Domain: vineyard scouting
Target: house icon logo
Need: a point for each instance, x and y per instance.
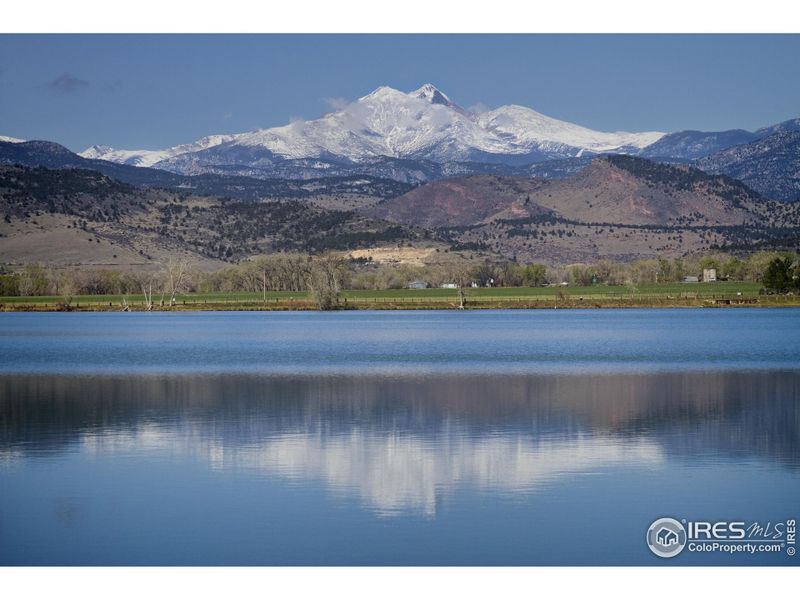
(666, 537)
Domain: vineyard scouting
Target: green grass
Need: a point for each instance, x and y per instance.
(726, 288)
(117, 299)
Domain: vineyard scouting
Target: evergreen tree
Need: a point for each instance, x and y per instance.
(779, 275)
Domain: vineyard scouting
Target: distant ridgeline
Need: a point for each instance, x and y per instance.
(615, 207)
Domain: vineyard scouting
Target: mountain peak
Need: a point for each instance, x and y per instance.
(424, 124)
(98, 149)
(432, 94)
(382, 92)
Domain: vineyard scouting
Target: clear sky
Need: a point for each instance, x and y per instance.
(149, 91)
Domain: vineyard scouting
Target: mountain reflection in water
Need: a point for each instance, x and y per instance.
(400, 445)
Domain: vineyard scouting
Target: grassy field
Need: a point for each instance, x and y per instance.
(666, 294)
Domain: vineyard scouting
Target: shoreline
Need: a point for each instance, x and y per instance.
(414, 304)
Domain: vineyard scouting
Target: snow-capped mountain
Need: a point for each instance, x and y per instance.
(421, 125)
(10, 140)
(147, 158)
(529, 129)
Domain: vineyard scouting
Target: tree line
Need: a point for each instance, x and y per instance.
(324, 275)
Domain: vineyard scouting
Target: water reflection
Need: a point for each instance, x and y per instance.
(399, 445)
(395, 473)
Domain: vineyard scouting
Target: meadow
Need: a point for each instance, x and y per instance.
(661, 294)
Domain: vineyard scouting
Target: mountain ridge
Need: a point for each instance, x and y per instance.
(39, 153)
(619, 207)
(770, 165)
(423, 125)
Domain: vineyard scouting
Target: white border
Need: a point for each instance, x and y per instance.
(417, 16)
(386, 583)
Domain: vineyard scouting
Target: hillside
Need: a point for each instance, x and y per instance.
(614, 189)
(624, 189)
(689, 145)
(618, 207)
(75, 216)
(348, 187)
(770, 165)
(457, 202)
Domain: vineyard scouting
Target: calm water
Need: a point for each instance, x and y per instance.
(514, 437)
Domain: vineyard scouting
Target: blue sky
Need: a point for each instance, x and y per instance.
(148, 91)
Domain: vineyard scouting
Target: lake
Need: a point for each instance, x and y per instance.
(397, 438)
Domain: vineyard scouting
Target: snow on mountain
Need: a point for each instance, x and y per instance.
(147, 158)
(137, 158)
(429, 93)
(426, 124)
(422, 125)
(10, 140)
(526, 128)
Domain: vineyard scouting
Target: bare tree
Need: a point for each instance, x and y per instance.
(147, 291)
(324, 280)
(263, 267)
(33, 281)
(175, 271)
(145, 281)
(461, 275)
(67, 287)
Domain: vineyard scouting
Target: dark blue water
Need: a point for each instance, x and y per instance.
(539, 341)
(518, 437)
